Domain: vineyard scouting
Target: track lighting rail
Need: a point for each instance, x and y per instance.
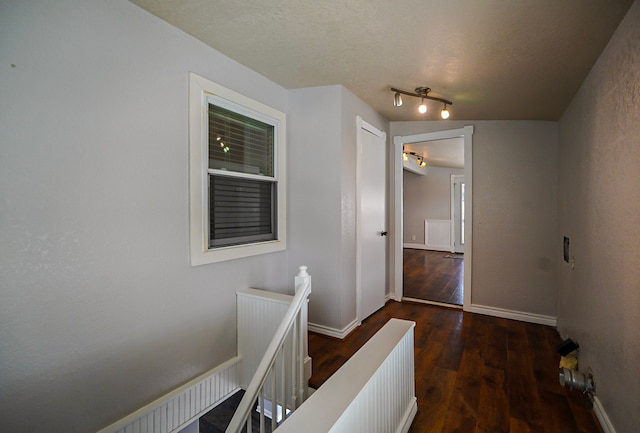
(422, 92)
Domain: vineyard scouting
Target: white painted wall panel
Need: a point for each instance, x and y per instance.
(372, 392)
(437, 235)
(101, 312)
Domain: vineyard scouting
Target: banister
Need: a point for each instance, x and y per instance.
(302, 291)
(374, 391)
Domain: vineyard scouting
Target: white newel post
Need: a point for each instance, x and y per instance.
(301, 281)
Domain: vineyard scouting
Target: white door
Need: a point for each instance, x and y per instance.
(371, 254)
(457, 210)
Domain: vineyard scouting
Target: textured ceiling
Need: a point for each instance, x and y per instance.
(495, 59)
(440, 153)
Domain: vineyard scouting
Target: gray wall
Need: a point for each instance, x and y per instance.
(599, 209)
(314, 197)
(514, 211)
(425, 197)
(322, 160)
(100, 311)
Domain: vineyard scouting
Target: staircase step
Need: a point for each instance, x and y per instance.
(218, 418)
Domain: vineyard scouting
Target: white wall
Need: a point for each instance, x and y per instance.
(514, 211)
(599, 184)
(426, 196)
(100, 310)
(322, 159)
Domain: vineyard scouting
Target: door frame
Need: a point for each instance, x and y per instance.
(455, 248)
(396, 238)
(360, 126)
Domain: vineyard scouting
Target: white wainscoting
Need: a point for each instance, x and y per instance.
(259, 315)
(180, 407)
(437, 235)
(374, 391)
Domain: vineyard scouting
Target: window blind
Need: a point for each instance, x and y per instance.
(241, 211)
(239, 143)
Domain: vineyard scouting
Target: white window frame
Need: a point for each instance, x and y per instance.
(201, 91)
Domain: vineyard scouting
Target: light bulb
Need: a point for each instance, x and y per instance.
(405, 157)
(422, 108)
(444, 113)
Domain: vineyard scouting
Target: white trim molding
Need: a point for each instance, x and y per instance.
(200, 92)
(602, 416)
(522, 316)
(333, 332)
(396, 202)
(415, 246)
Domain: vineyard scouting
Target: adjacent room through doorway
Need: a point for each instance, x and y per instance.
(433, 216)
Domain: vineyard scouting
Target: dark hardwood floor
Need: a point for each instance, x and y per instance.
(474, 373)
(430, 275)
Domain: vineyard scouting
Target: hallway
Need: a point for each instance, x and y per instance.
(474, 373)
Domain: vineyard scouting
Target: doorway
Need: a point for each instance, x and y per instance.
(458, 187)
(397, 231)
(432, 222)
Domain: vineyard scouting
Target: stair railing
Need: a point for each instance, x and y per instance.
(272, 384)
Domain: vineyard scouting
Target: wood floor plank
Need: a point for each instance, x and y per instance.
(473, 373)
(524, 399)
(463, 409)
(434, 392)
(493, 411)
(496, 353)
(557, 413)
(583, 414)
(430, 275)
(544, 358)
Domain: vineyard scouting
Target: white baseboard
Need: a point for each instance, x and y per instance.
(333, 332)
(514, 315)
(605, 423)
(426, 302)
(445, 248)
(405, 424)
(415, 246)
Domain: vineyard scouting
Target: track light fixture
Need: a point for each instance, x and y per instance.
(422, 93)
(422, 108)
(419, 159)
(397, 100)
(444, 113)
